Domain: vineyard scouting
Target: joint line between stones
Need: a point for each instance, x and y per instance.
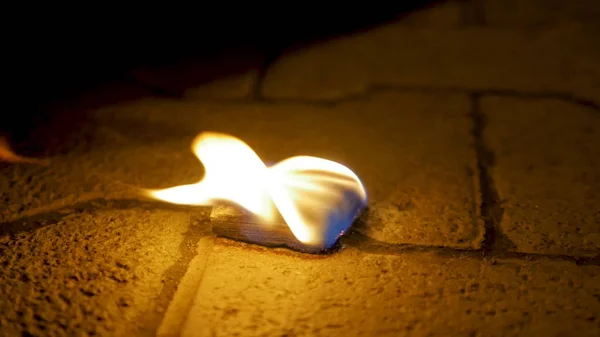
(369, 245)
(354, 239)
(271, 56)
(490, 208)
(375, 89)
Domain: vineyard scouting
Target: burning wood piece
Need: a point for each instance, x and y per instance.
(231, 222)
(305, 203)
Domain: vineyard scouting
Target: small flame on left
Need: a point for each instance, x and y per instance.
(8, 155)
(302, 189)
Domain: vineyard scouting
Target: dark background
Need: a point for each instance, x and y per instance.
(56, 54)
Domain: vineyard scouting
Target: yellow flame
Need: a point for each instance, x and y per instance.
(303, 189)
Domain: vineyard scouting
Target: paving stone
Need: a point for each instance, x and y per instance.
(111, 171)
(531, 13)
(86, 273)
(81, 252)
(266, 292)
(562, 58)
(413, 152)
(547, 172)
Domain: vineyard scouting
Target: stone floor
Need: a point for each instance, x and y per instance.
(473, 124)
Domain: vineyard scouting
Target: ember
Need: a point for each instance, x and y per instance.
(303, 202)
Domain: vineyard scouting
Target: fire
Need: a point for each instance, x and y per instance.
(8, 155)
(311, 194)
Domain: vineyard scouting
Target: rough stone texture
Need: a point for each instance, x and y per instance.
(561, 58)
(261, 292)
(112, 170)
(412, 151)
(88, 273)
(80, 251)
(547, 172)
(531, 13)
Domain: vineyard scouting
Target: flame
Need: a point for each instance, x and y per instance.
(8, 155)
(306, 191)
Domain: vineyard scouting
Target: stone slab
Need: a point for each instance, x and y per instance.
(96, 272)
(81, 252)
(562, 58)
(547, 172)
(249, 291)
